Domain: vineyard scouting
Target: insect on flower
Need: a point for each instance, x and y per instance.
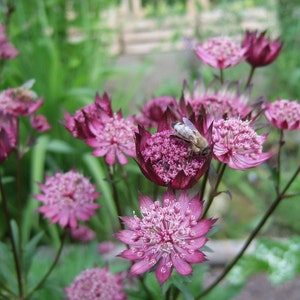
(24, 91)
(189, 133)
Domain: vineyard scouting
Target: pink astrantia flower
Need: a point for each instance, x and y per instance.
(167, 235)
(225, 101)
(283, 114)
(237, 144)
(7, 50)
(67, 198)
(106, 247)
(220, 52)
(154, 110)
(109, 133)
(78, 125)
(167, 160)
(19, 101)
(8, 135)
(82, 233)
(39, 123)
(261, 51)
(96, 284)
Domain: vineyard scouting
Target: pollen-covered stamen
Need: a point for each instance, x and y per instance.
(165, 229)
(169, 155)
(237, 137)
(222, 48)
(117, 131)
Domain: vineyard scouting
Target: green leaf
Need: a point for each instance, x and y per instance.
(30, 250)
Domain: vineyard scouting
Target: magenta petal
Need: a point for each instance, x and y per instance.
(195, 257)
(140, 267)
(130, 254)
(127, 237)
(163, 271)
(202, 228)
(181, 266)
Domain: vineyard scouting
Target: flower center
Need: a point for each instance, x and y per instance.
(169, 155)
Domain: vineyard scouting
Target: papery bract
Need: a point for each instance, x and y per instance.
(225, 101)
(237, 144)
(261, 51)
(96, 284)
(67, 198)
(220, 52)
(153, 110)
(167, 235)
(283, 114)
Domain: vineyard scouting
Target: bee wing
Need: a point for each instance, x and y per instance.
(189, 124)
(28, 84)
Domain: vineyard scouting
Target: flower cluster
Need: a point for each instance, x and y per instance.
(109, 133)
(168, 160)
(96, 284)
(168, 235)
(283, 114)
(7, 50)
(15, 103)
(67, 198)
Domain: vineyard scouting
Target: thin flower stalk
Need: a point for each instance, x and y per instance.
(54, 263)
(12, 240)
(253, 234)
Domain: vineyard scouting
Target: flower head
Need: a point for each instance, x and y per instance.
(220, 52)
(167, 235)
(261, 51)
(283, 114)
(168, 160)
(82, 233)
(109, 133)
(67, 198)
(96, 284)
(20, 101)
(226, 101)
(237, 144)
(7, 50)
(8, 135)
(39, 123)
(154, 110)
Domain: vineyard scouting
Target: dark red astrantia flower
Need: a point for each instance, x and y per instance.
(261, 51)
(168, 160)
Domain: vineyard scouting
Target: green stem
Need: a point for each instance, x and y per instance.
(250, 77)
(214, 190)
(221, 76)
(11, 238)
(252, 236)
(204, 183)
(20, 209)
(54, 263)
(115, 193)
(278, 177)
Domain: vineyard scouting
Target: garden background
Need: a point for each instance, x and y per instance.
(135, 50)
